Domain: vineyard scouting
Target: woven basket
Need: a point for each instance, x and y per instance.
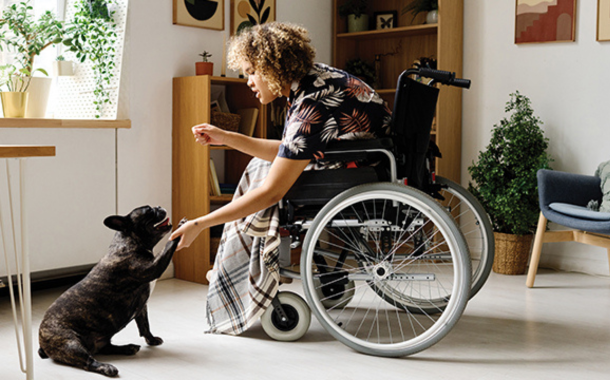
(226, 121)
(512, 253)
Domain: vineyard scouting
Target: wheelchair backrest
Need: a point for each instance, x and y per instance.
(414, 109)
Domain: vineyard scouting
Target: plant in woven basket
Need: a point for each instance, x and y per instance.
(505, 174)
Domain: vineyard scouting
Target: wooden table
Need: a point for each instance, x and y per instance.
(20, 153)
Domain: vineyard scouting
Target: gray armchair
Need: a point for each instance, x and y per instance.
(563, 200)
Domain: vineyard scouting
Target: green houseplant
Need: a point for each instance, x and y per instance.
(504, 179)
(355, 11)
(14, 101)
(419, 6)
(205, 67)
(361, 69)
(26, 37)
(91, 35)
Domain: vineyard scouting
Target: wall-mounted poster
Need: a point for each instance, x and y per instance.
(603, 20)
(246, 13)
(208, 14)
(545, 21)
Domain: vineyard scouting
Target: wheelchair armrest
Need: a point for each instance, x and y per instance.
(576, 189)
(354, 150)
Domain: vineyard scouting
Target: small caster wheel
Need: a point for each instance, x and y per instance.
(297, 322)
(340, 295)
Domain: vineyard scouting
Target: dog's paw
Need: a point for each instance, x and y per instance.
(154, 341)
(131, 349)
(108, 370)
(103, 368)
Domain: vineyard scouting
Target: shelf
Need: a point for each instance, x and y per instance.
(22, 151)
(403, 31)
(229, 81)
(225, 198)
(386, 91)
(63, 123)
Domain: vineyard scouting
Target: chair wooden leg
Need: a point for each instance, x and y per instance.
(535, 259)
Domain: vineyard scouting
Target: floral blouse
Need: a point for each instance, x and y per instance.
(329, 104)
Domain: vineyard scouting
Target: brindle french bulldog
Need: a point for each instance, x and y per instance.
(83, 320)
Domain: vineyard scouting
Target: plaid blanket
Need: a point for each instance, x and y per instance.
(246, 274)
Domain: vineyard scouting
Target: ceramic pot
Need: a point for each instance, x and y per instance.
(39, 90)
(204, 68)
(357, 24)
(432, 17)
(14, 103)
(63, 68)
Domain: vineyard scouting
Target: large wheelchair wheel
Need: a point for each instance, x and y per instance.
(475, 225)
(407, 258)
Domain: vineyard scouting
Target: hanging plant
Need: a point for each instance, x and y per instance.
(91, 36)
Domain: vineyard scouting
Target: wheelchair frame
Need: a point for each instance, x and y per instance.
(375, 249)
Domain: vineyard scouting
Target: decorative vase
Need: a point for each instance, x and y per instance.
(63, 68)
(432, 17)
(204, 68)
(357, 24)
(14, 103)
(512, 253)
(39, 90)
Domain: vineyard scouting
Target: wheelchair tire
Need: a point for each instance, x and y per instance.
(476, 227)
(376, 223)
(299, 318)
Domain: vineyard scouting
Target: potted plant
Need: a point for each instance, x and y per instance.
(504, 181)
(361, 69)
(204, 67)
(15, 99)
(61, 67)
(355, 11)
(27, 38)
(418, 6)
(91, 35)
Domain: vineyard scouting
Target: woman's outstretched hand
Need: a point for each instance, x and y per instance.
(207, 134)
(188, 232)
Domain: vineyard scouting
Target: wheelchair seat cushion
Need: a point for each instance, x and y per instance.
(579, 211)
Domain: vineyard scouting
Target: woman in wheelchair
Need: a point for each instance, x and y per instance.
(324, 104)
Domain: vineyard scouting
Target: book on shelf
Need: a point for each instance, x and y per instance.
(247, 123)
(214, 185)
(228, 188)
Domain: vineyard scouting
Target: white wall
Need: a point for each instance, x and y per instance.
(157, 51)
(568, 84)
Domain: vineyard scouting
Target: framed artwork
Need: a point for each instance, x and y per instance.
(246, 13)
(385, 20)
(208, 14)
(603, 20)
(545, 21)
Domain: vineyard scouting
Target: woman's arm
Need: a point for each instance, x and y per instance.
(207, 134)
(282, 175)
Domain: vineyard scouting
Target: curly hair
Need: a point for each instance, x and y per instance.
(280, 53)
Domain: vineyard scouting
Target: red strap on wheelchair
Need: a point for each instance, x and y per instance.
(351, 165)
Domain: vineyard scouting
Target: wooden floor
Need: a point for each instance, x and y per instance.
(558, 330)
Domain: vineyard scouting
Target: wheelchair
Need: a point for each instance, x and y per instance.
(386, 268)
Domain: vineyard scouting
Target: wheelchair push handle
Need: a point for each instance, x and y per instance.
(444, 77)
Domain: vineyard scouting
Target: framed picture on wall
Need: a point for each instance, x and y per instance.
(208, 14)
(386, 20)
(603, 20)
(246, 13)
(545, 21)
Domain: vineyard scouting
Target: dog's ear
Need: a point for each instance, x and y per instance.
(117, 223)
